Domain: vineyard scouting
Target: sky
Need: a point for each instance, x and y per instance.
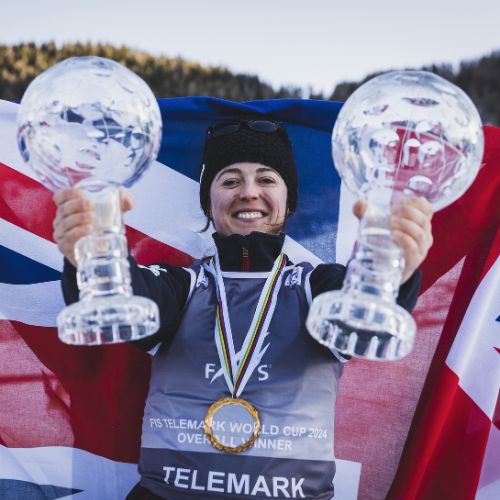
(310, 44)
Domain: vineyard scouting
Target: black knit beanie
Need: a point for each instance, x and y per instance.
(272, 149)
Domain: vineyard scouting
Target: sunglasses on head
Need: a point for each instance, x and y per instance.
(227, 128)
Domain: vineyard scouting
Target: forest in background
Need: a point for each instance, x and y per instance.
(176, 77)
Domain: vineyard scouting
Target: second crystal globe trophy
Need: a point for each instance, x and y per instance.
(90, 123)
(404, 133)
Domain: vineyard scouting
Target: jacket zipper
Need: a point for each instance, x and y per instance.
(246, 260)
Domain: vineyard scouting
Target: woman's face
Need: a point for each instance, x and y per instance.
(248, 197)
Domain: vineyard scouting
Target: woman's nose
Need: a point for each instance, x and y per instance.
(249, 190)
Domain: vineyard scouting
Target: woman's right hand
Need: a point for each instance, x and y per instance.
(74, 218)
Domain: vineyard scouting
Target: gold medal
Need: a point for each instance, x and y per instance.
(233, 429)
(232, 425)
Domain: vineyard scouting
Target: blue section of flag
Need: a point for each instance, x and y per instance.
(18, 269)
(15, 489)
(309, 124)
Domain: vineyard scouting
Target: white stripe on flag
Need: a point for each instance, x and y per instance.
(36, 304)
(473, 356)
(30, 245)
(169, 211)
(347, 476)
(297, 253)
(98, 477)
(489, 482)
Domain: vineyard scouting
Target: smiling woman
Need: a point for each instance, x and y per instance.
(249, 178)
(236, 368)
(248, 197)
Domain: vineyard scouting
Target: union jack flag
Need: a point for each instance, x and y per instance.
(423, 427)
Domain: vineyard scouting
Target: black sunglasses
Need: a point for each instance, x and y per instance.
(227, 128)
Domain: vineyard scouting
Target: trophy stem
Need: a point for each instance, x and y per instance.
(377, 263)
(107, 312)
(363, 319)
(102, 264)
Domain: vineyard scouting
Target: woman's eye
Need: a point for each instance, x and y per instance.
(267, 180)
(229, 182)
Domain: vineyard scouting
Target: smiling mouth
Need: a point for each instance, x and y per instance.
(250, 215)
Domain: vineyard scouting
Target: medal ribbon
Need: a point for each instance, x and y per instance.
(237, 372)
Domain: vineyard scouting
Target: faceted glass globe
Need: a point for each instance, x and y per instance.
(409, 132)
(88, 122)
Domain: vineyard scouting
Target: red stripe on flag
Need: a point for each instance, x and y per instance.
(466, 221)
(147, 250)
(444, 452)
(494, 250)
(54, 394)
(28, 204)
(447, 450)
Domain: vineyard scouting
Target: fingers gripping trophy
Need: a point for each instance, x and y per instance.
(90, 123)
(404, 133)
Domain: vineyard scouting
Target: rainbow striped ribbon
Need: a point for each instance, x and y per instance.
(237, 374)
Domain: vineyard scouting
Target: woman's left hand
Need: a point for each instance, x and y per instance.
(410, 222)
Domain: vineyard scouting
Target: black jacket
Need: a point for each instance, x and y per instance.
(256, 252)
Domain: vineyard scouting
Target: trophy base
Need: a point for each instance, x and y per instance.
(108, 320)
(361, 325)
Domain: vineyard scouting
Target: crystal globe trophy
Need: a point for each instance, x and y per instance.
(92, 124)
(404, 133)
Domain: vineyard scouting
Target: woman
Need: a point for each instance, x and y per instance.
(234, 326)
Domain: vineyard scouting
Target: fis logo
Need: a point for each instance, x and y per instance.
(212, 373)
(262, 370)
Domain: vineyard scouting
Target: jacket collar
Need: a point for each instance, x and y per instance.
(255, 252)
